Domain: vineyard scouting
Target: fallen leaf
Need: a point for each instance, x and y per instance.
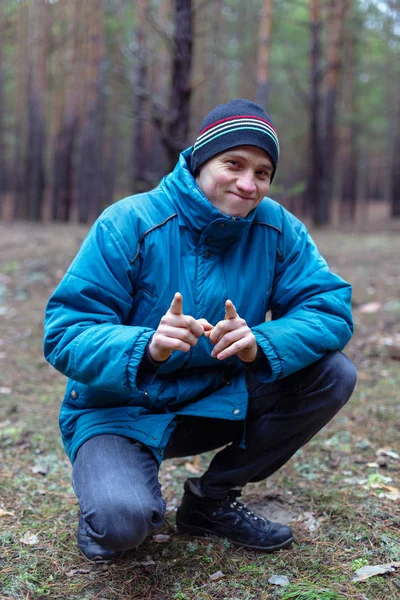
(191, 467)
(355, 481)
(149, 561)
(29, 538)
(38, 469)
(394, 496)
(161, 538)
(388, 452)
(278, 580)
(76, 571)
(372, 570)
(311, 522)
(391, 494)
(4, 512)
(370, 307)
(390, 488)
(217, 575)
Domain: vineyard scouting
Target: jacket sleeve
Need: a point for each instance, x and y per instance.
(310, 305)
(84, 336)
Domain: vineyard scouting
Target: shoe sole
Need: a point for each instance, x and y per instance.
(200, 532)
(99, 560)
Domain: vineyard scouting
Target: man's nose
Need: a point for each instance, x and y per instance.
(246, 183)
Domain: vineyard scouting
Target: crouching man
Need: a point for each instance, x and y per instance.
(159, 324)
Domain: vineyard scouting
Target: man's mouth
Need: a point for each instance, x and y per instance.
(248, 198)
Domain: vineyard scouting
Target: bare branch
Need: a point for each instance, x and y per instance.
(301, 94)
(158, 29)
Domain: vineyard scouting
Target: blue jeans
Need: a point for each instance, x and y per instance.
(116, 478)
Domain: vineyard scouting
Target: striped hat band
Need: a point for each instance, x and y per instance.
(236, 124)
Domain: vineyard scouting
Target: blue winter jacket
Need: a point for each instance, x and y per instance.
(140, 252)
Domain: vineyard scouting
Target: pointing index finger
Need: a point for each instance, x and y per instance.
(176, 307)
(230, 310)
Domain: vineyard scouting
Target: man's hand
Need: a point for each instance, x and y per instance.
(233, 336)
(176, 331)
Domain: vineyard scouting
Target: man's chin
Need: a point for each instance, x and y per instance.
(238, 215)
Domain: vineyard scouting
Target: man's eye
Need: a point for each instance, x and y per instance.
(233, 162)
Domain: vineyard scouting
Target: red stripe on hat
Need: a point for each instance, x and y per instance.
(236, 117)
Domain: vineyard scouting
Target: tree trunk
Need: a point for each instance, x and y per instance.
(393, 88)
(264, 45)
(3, 162)
(64, 149)
(315, 168)
(20, 135)
(247, 54)
(217, 72)
(160, 83)
(112, 140)
(395, 180)
(336, 14)
(175, 137)
(139, 158)
(35, 166)
(349, 150)
(89, 173)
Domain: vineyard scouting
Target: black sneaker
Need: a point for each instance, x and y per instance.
(230, 519)
(91, 550)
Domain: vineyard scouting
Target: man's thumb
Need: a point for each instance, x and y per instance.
(230, 310)
(176, 307)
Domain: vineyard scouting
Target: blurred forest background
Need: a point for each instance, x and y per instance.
(98, 97)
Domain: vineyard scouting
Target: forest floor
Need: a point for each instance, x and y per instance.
(340, 493)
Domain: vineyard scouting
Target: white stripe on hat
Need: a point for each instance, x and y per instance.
(198, 146)
(233, 123)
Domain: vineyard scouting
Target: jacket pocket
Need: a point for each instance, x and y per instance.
(82, 396)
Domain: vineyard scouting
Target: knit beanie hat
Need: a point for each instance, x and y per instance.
(237, 123)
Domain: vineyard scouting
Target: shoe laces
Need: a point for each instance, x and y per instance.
(240, 507)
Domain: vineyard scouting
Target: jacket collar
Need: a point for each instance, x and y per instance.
(197, 213)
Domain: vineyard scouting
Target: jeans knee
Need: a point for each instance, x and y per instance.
(342, 375)
(121, 525)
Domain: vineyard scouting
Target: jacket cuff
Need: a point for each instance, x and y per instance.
(148, 368)
(148, 361)
(270, 353)
(260, 363)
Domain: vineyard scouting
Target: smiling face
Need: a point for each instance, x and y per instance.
(236, 181)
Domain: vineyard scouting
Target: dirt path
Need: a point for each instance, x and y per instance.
(341, 492)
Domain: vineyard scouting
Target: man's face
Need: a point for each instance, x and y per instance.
(236, 181)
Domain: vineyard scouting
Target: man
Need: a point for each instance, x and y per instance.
(160, 325)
